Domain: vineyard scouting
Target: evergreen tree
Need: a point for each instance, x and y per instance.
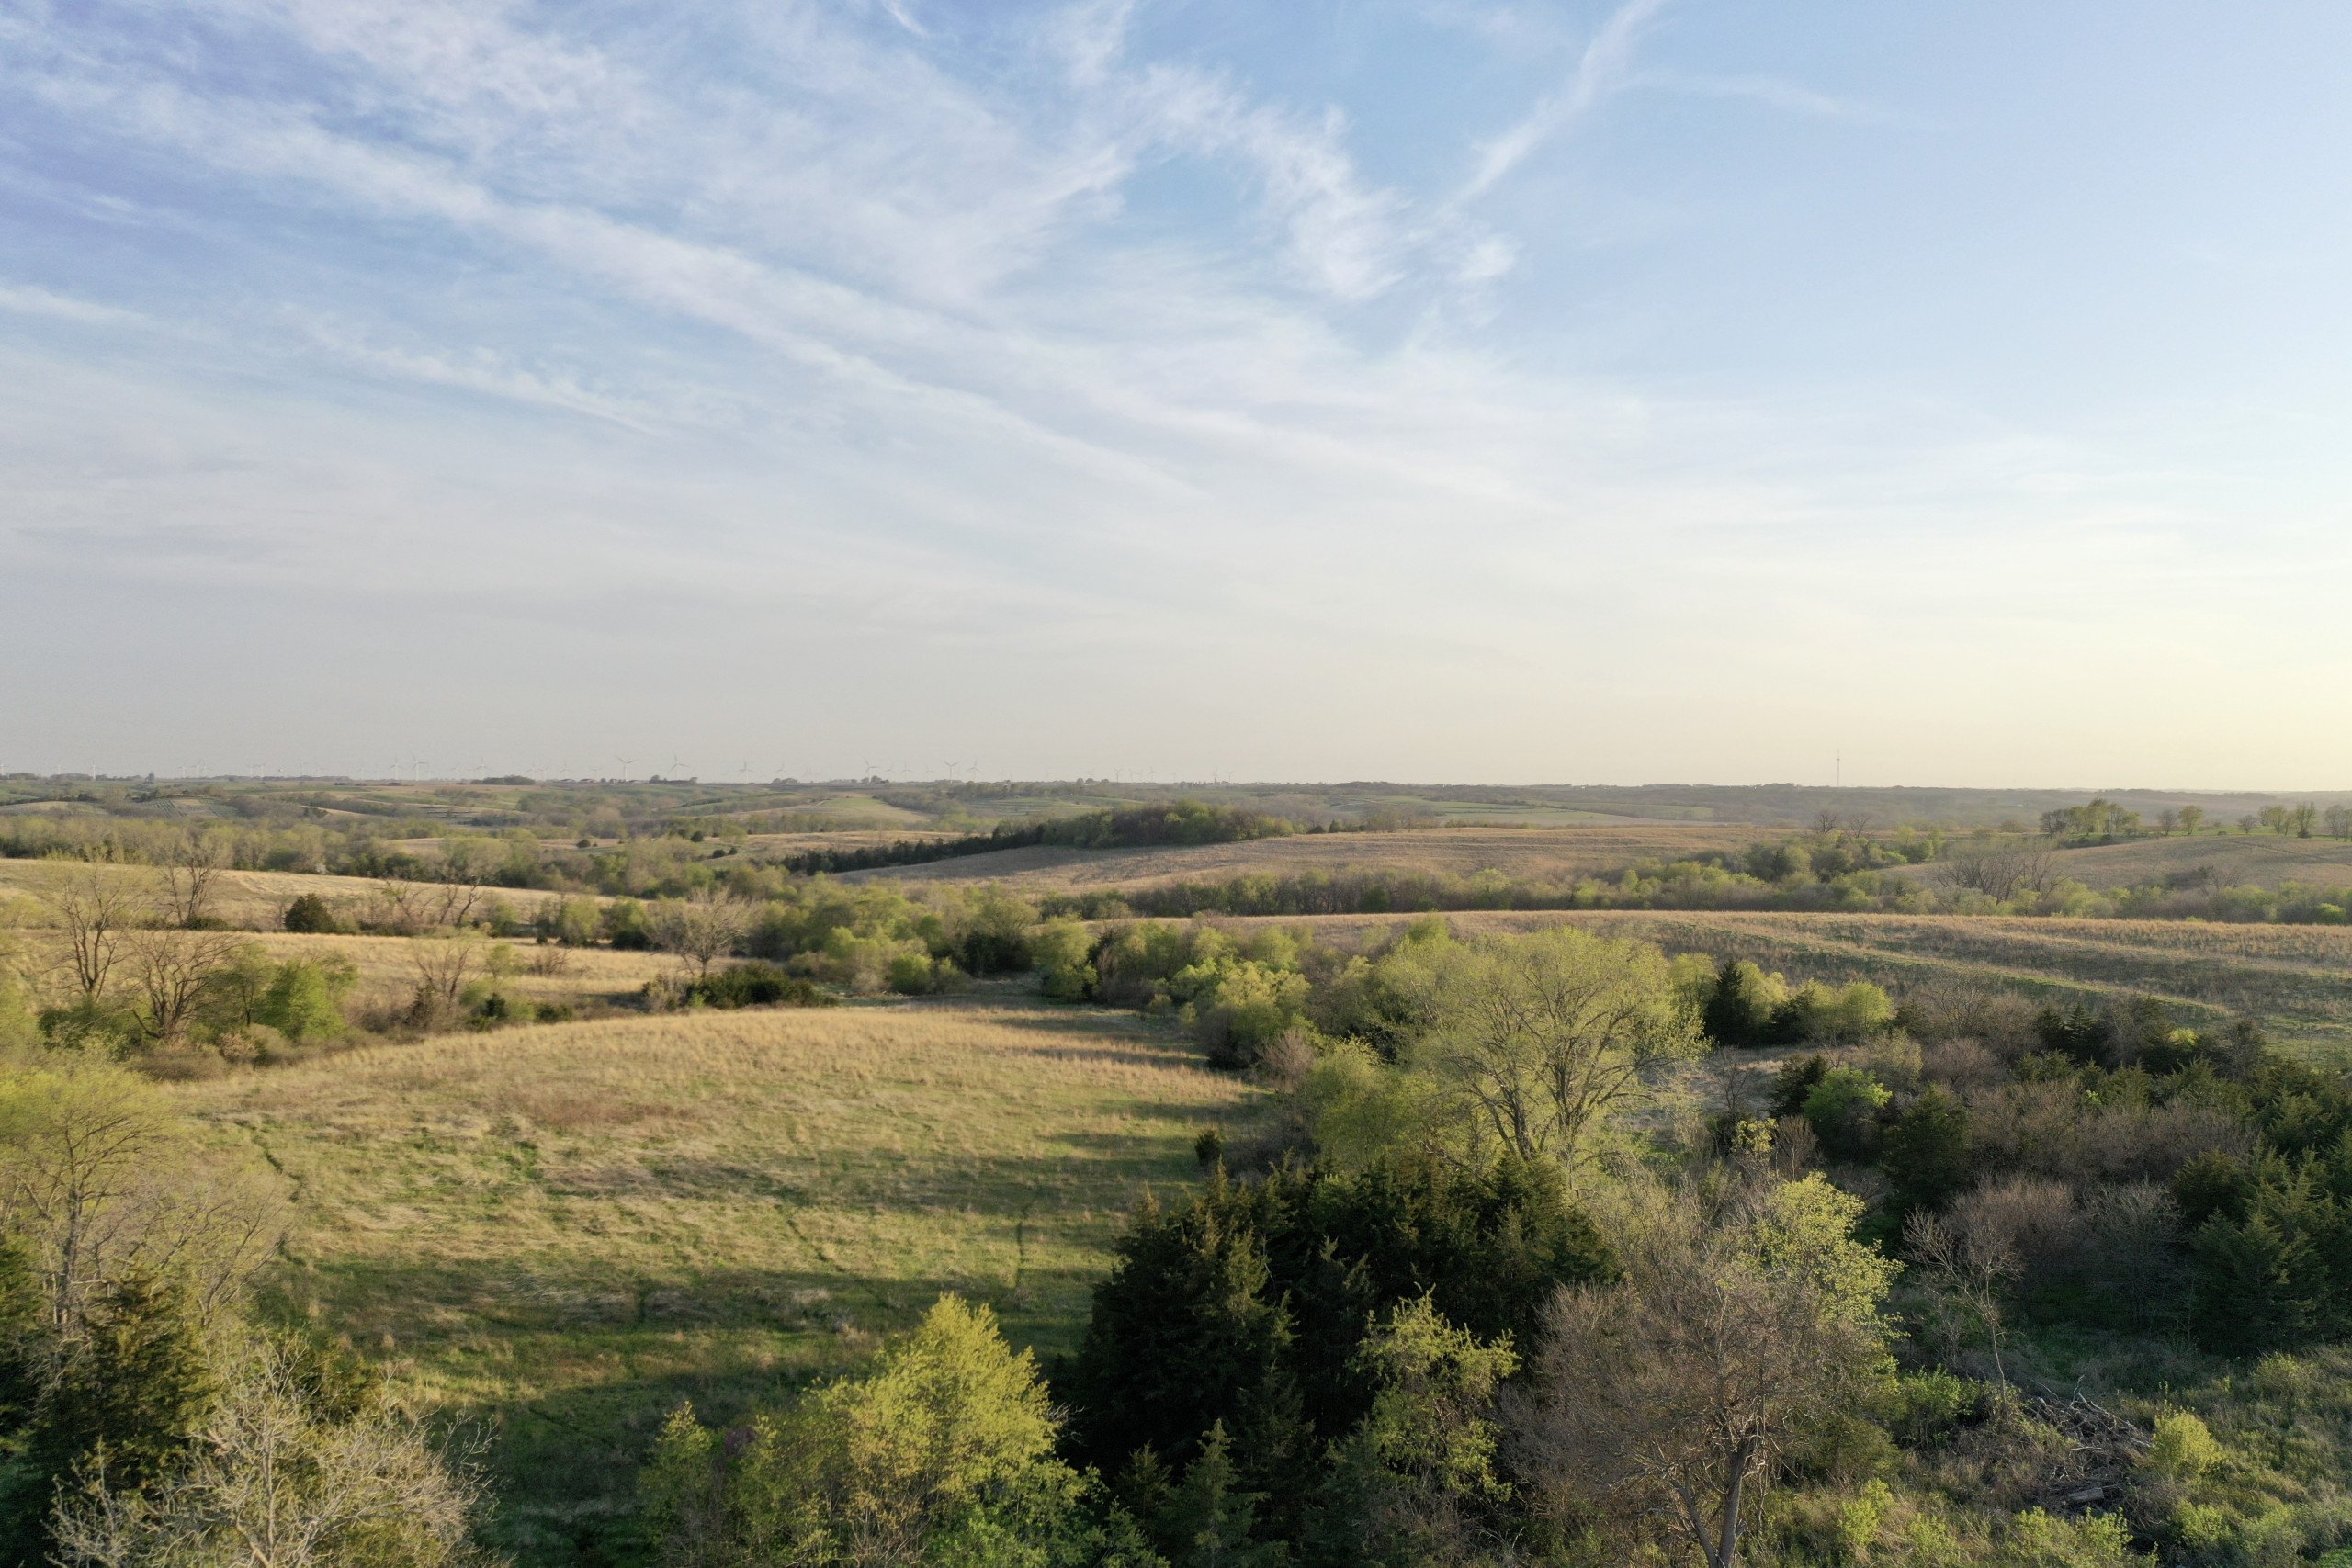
(1925, 1153)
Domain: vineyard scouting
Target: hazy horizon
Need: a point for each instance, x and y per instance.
(1463, 389)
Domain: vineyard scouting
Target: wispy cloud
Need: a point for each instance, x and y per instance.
(1602, 68)
(28, 300)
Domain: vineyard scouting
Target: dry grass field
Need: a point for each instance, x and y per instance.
(1550, 854)
(565, 1230)
(2260, 857)
(251, 900)
(2296, 980)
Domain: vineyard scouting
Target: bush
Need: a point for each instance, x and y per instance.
(308, 914)
(1842, 1109)
(755, 985)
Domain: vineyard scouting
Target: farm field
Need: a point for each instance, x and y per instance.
(2296, 980)
(565, 1230)
(1541, 854)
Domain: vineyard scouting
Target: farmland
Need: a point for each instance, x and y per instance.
(564, 1231)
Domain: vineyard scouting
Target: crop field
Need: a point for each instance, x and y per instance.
(2296, 980)
(565, 1230)
(1555, 854)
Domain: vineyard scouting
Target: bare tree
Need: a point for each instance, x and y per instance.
(2001, 872)
(700, 929)
(1543, 1037)
(1968, 1269)
(1744, 1317)
(173, 968)
(190, 868)
(270, 1482)
(459, 878)
(445, 966)
(94, 908)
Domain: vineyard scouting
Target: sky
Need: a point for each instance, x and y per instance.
(1425, 389)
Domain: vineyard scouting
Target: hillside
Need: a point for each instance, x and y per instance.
(2296, 980)
(566, 1230)
(2220, 860)
(1550, 854)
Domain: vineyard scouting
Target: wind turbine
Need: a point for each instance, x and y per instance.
(626, 762)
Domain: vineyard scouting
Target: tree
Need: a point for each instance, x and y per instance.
(2338, 821)
(1925, 1156)
(94, 908)
(1542, 1038)
(191, 866)
(1407, 1486)
(942, 1452)
(1746, 1317)
(2192, 819)
(278, 1477)
(100, 1181)
(2167, 820)
(2303, 818)
(1741, 1009)
(700, 929)
(309, 915)
(2277, 818)
(174, 968)
(1970, 1267)
(445, 964)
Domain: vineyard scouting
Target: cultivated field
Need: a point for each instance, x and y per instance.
(1549, 854)
(565, 1230)
(2296, 980)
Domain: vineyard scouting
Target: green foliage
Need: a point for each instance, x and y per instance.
(1926, 1154)
(310, 915)
(126, 1397)
(1246, 1304)
(1744, 1005)
(304, 998)
(754, 985)
(1063, 951)
(1843, 1107)
(940, 1453)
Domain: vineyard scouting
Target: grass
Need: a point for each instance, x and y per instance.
(2232, 858)
(1546, 853)
(252, 900)
(565, 1230)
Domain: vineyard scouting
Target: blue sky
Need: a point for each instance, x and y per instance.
(1412, 389)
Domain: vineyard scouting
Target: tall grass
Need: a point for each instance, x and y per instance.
(566, 1230)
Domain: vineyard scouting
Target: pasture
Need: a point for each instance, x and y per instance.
(1547, 854)
(563, 1231)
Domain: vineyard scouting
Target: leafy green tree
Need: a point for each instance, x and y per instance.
(1543, 1039)
(1746, 1000)
(304, 998)
(1210, 1521)
(942, 1452)
(1926, 1154)
(128, 1392)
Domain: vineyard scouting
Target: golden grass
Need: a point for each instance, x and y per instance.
(567, 1229)
(252, 900)
(1549, 854)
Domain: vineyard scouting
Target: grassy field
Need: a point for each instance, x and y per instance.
(252, 900)
(1553, 854)
(2296, 980)
(2261, 858)
(565, 1230)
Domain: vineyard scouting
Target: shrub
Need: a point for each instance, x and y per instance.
(755, 985)
(1842, 1109)
(308, 914)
